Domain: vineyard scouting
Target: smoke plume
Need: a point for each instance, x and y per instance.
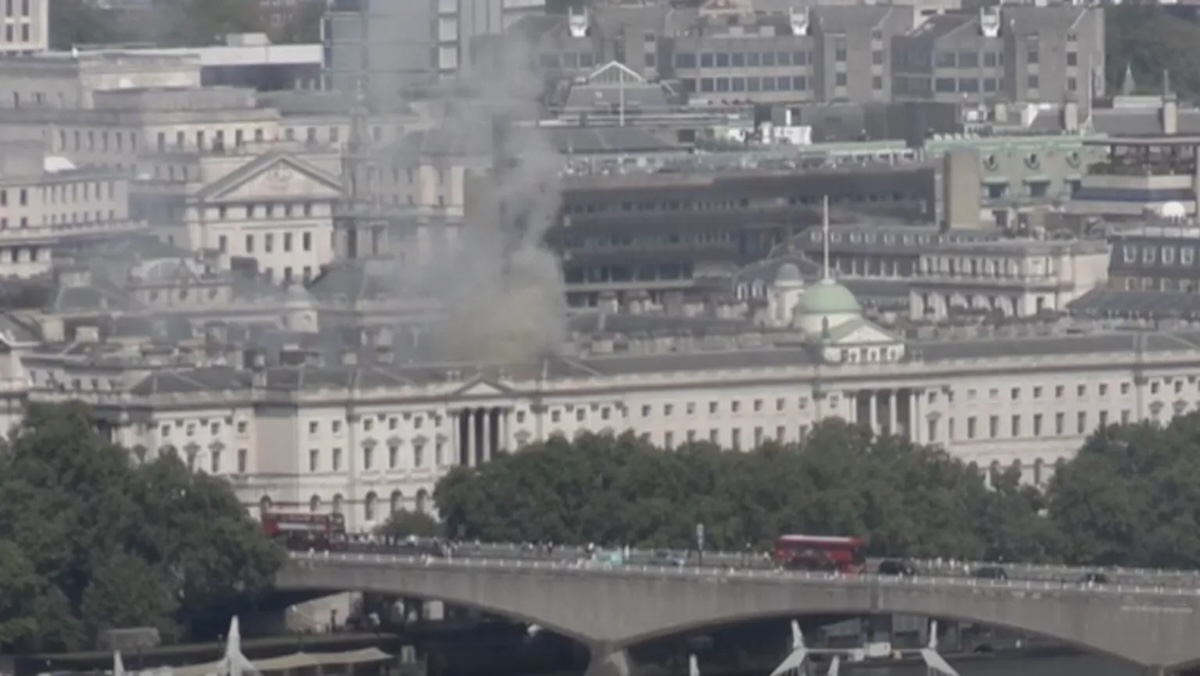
(502, 287)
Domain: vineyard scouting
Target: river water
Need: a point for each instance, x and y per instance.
(1082, 665)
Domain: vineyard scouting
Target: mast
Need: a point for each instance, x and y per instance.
(358, 139)
(825, 275)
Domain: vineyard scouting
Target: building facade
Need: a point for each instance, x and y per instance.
(1005, 52)
(395, 46)
(366, 439)
(48, 204)
(24, 26)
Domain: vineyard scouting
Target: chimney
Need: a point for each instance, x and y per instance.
(1170, 114)
(1070, 117)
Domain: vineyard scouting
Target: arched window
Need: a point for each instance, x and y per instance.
(422, 500)
(397, 502)
(369, 506)
(337, 503)
(314, 503)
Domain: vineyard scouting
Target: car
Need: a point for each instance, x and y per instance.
(896, 567)
(1094, 578)
(991, 573)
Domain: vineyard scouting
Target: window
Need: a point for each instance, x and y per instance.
(368, 457)
(971, 427)
(241, 460)
(215, 459)
(993, 426)
(314, 456)
(336, 464)
(1081, 423)
(1037, 424)
(1016, 425)
(1060, 423)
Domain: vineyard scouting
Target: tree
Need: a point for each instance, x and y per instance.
(404, 524)
(1132, 496)
(1151, 39)
(116, 545)
(302, 24)
(615, 490)
(77, 22)
(205, 22)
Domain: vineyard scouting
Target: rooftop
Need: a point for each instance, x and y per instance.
(1012, 350)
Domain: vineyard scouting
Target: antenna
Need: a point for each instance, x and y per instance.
(825, 237)
(621, 94)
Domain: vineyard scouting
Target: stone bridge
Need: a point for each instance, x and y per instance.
(611, 608)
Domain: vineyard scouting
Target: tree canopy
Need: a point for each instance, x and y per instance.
(172, 23)
(89, 541)
(1152, 39)
(1131, 498)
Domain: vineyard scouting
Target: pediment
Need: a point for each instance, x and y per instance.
(482, 389)
(865, 334)
(278, 177)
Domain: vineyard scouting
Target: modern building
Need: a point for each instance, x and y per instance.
(1005, 52)
(822, 53)
(394, 46)
(24, 27)
(1140, 175)
(767, 52)
(654, 230)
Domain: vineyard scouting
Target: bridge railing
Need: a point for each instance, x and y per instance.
(582, 567)
(758, 558)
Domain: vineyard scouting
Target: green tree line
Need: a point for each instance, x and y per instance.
(1131, 497)
(178, 23)
(89, 541)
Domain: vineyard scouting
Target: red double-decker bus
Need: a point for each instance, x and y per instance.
(821, 553)
(303, 531)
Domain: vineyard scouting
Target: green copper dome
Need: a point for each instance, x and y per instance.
(828, 298)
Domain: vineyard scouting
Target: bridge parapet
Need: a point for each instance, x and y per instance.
(617, 606)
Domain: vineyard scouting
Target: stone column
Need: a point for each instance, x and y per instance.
(454, 436)
(916, 430)
(893, 414)
(873, 409)
(494, 435)
(607, 661)
(480, 418)
(467, 453)
(506, 442)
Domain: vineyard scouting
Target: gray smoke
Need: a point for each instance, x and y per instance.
(503, 288)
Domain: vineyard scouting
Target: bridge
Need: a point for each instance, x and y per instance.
(610, 608)
(1145, 577)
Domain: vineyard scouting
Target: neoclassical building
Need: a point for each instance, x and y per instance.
(367, 438)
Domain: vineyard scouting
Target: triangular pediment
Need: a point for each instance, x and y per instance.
(865, 333)
(615, 72)
(482, 389)
(273, 177)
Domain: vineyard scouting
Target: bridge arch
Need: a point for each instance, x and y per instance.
(739, 618)
(621, 607)
(419, 592)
